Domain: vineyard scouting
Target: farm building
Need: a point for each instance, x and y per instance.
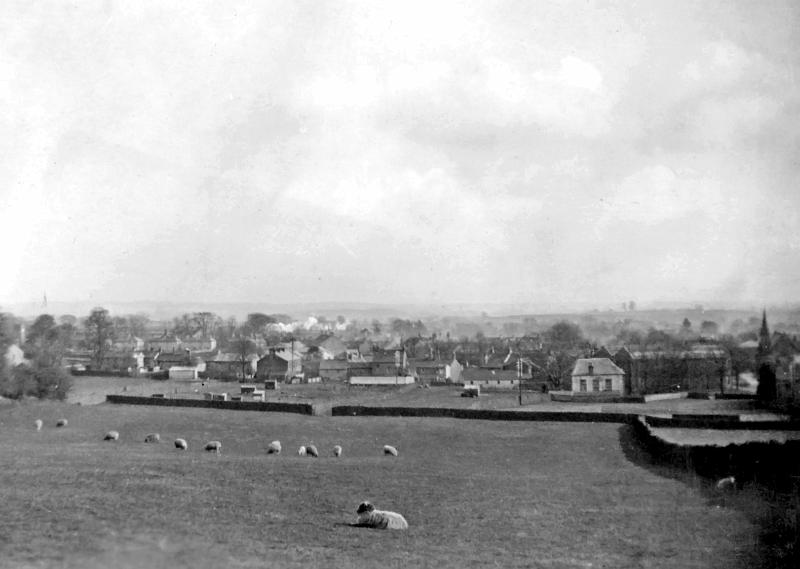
(657, 371)
(231, 366)
(14, 356)
(183, 373)
(128, 362)
(166, 360)
(490, 379)
(200, 344)
(280, 364)
(595, 375)
(431, 371)
(166, 342)
(333, 370)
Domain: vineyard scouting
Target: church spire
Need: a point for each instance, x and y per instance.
(764, 342)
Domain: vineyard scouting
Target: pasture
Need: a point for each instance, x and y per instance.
(475, 493)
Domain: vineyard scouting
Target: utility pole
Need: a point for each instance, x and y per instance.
(519, 378)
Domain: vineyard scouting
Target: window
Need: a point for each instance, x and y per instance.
(595, 385)
(583, 385)
(608, 385)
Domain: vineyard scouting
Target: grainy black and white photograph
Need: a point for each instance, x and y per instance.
(359, 284)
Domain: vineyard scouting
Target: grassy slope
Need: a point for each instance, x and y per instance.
(475, 493)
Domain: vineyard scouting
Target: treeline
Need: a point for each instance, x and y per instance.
(39, 371)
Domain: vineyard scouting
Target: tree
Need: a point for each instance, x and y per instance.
(137, 324)
(44, 382)
(99, 332)
(631, 306)
(565, 334)
(243, 348)
(558, 367)
(709, 327)
(7, 337)
(205, 322)
(44, 342)
(659, 338)
(257, 322)
(68, 319)
(686, 325)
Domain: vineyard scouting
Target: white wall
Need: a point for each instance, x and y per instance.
(616, 383)
(381, 380)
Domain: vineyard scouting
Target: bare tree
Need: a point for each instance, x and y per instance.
(99, 331)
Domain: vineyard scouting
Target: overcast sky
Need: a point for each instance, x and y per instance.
(535, 152)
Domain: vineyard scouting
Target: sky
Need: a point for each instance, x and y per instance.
(542, 153)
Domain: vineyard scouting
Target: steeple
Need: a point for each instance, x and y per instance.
(765, 364)
(764, 342)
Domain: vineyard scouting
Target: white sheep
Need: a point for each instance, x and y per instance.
(337, 451)
(181, 444)
(39, 424)
(111, 436)
(152, 438)
(726, 484)
(389, 449)
(369, 517)
(214, 446)
(61, 423)
(311, 450)
(301, 451)
(274, 447)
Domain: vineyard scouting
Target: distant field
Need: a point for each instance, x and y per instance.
(476, 494)
(90, 390)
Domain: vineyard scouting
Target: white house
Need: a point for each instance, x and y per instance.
(597, 375)
(490, 379)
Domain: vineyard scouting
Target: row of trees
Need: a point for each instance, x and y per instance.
(42, 374)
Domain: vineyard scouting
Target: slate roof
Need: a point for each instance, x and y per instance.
(481, 374)
(600, 366)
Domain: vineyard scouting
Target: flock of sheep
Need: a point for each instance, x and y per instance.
(368, 516)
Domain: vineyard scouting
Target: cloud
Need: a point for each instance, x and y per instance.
(657, 193)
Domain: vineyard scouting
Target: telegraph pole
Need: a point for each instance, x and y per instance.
(519, 378)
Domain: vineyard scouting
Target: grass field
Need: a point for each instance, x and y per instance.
(476, 494)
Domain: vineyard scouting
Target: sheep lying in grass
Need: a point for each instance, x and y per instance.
(301, 451)
(369, 517)
(214, 446)
(726, 484)
(111, 436)
(152, 438)
(61, 423)
(311, 450)
(181, 444)
(39, 424)
(389, 449)
(274, 447)
(337, 451)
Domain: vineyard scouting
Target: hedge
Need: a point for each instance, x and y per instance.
(482, 414)
(300, 408)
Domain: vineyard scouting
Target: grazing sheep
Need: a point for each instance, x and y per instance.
(181, 444)
(274, 447)
(214, 446)
(152, 438)
(726, 484)
(39, 424)
(389, 449)
(337, 451)
(111, 436)
(311, 450)
(61, 423)
(301, 451)
(369, 517)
